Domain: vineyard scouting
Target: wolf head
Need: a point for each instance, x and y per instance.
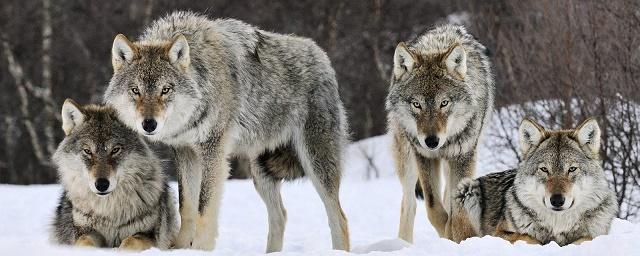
(429, 95)
(561, 169)
(98, 151)
(151, 84)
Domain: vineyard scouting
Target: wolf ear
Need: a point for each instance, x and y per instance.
(456, 61)
(588, 134)
(531, 134)
(122, 51)
(404, 61)
(72, 116)
(179, 51)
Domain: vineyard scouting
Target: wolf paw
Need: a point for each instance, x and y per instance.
(136, 243)
(86, 241)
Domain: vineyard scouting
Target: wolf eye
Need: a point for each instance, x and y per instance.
(87, 151)
(544, 169)
(572, 169)
(416, 104)
(115, 150)
(165, 90)
(444, 103)
(135, 90)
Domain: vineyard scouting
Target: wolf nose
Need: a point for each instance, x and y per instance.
(102, 184)
(149, 125)
(432, 141)
(557, 200)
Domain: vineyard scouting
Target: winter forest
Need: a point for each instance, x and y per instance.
(557, 62)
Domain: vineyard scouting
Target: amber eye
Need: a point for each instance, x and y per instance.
(444, 103)
(165, 90)
(544, 169)
(573, 169)
(87, 151)
(416, 104)
(135, 90)
(115, 150)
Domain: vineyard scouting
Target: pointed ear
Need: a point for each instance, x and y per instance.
(588, 134)
(122, 51)
(404, 61)
(72, 116)
(531, 133)
(179, 51)
(456, 61)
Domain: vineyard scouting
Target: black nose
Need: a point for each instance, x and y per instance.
(557, 200)
(432, 141)
(102, 184)
(149, 125)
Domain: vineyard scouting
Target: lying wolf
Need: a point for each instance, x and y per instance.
(115, 194)
(558, 192)
(213, 89)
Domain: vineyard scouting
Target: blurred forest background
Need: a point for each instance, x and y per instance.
(557, 61)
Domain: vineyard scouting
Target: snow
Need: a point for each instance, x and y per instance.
(371, 204)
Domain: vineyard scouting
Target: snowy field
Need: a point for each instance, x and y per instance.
(372, 207)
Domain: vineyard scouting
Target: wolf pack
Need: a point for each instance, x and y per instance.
(212, 89)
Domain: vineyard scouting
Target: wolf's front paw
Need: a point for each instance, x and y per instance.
(136, 243)
(86, 241)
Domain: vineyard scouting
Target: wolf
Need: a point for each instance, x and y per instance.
(558, 192)
(440, 100)
(218, 88)
(115, 193)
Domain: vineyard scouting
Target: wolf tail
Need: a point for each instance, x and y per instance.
(469, 196)
(419, 193)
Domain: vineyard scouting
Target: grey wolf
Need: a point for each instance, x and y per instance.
(439, 102)
(219, 88)
(115, 193)
(558, 192)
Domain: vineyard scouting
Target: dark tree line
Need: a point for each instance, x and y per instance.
(572, 58)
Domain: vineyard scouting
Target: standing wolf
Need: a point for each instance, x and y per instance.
(115, 194)
(217, 88)
(440, 99)
(558, 193)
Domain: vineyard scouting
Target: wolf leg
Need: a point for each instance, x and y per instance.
(320, 155)
(458, 226)
(189, 167)
(91, 239)
(408, 179)
(429, 177)
(215, 172)
(137, 242)
(269, 190)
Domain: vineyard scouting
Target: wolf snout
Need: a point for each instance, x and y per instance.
(102, 185)
(432, 141)
(557, 201)
(149, 125)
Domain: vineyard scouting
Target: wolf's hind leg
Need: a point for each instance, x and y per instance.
(320, 155)
(189, 167)
(269, 190)
(408, 179)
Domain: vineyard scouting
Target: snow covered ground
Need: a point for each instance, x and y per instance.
(372, 207)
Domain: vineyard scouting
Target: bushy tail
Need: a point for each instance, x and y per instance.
(469, 197)
(419, 193)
